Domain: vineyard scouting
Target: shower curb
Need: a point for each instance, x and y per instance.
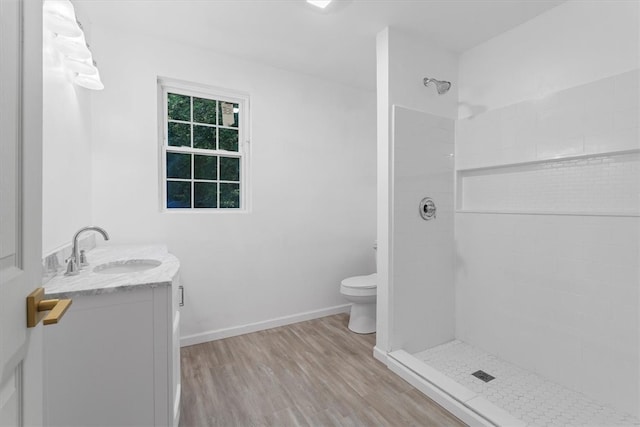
(454, 406)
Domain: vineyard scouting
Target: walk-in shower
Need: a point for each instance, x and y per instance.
(518, 302)
(442, 86)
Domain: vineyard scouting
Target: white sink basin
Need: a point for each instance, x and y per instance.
(126, 266)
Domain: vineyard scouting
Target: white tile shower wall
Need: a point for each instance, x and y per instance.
(594, 118)
(423, 295)
(597, 184)
(557, 295)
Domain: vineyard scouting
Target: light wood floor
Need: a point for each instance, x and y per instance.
(314, 373)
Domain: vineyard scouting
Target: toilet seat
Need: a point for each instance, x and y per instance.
(359, 285)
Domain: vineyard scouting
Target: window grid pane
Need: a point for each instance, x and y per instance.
(178, 194)
(205, 195)
(228, 139)
(229, 169)
(205, 167)
(179, 134)
(177, 107)
(178, 165)
(204, 111)
(228, 114)
(229, 196)
(204, 137)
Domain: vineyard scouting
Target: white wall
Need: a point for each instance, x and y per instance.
(423, 294)
(412, 59)
(403, 61)
(66, 187)
(556, 294)
(575, 43)
(313, 183)
(384, 182)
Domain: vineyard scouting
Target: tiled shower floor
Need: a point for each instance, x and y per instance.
(526, 396)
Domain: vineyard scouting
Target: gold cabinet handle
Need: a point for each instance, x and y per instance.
(37, 305)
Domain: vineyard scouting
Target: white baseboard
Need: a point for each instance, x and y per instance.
(380, 354)
(261, 326)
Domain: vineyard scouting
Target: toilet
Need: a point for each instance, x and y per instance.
(361, 292)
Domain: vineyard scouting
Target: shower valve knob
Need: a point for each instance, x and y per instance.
(427, 209)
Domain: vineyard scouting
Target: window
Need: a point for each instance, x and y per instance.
(204, 148)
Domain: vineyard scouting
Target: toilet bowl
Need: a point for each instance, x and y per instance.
(361, 292)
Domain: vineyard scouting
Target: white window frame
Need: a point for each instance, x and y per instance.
(165, 86)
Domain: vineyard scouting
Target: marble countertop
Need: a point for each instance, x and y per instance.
(89, 282)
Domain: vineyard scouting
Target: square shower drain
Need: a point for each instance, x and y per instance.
(483, 376)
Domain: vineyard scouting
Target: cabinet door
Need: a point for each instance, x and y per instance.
(99, 367)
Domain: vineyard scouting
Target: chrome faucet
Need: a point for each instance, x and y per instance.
(77, 260)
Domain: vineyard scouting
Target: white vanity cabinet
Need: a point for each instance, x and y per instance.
(114, 359)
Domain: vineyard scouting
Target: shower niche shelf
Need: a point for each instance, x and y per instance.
(606, 184)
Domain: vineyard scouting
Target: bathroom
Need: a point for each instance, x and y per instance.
(532, 158)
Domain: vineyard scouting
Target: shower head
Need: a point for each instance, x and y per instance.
(441, 86)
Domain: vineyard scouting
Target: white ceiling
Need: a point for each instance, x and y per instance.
(337, 43)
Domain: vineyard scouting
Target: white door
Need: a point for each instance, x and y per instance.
(20, 209)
